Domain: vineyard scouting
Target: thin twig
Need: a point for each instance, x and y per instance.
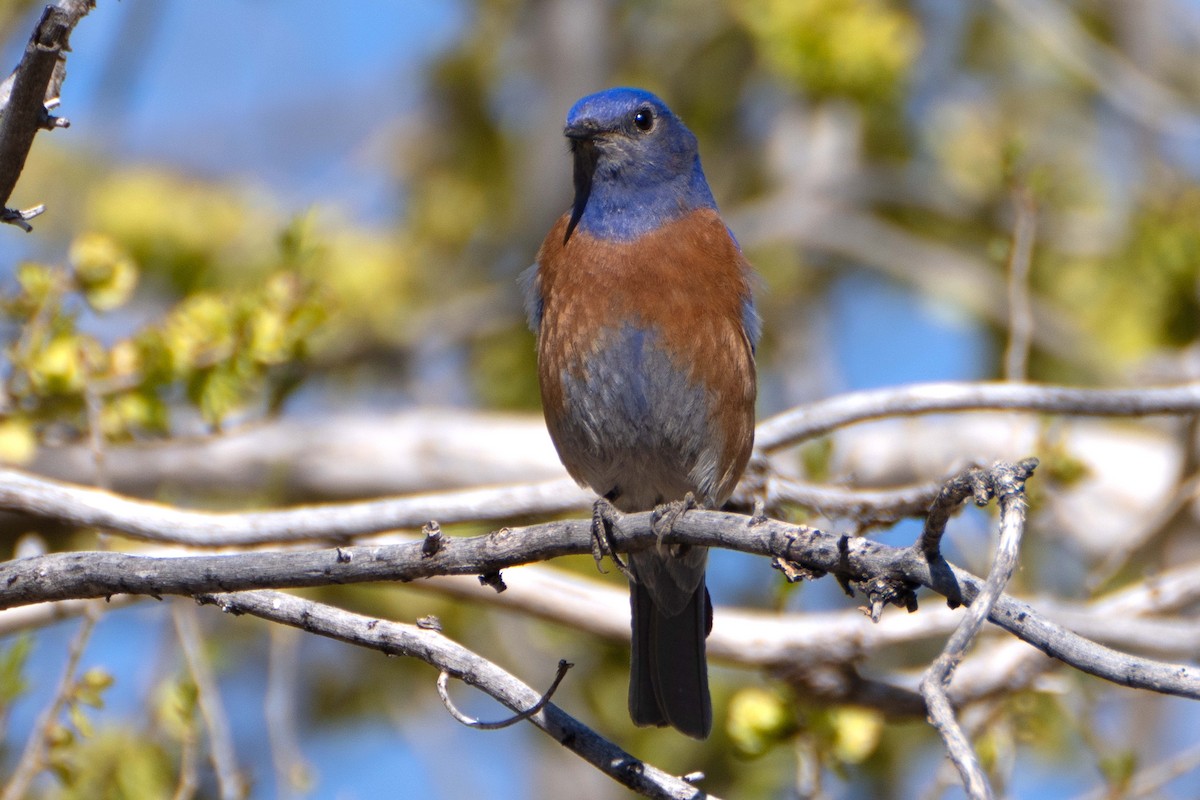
(975, 482)
(33, 757)
(283, 668)
(863, 505)
(1020, 311)
(188, 782)
(443, 687)
(1008, 484)
(1152, 779)
(94, 409)
(447, 655)
(230, 783)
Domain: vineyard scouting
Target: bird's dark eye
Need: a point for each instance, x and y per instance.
(643, 118)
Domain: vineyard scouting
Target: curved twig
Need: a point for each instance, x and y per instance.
(980, 484)
(1007, 482)
(443, 687)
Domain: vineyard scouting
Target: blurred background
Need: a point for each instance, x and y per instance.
(279, 265)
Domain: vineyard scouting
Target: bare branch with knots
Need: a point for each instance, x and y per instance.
(457, 661)
(885, 574)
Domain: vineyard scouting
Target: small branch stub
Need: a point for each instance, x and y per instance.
(494, 580)
(883, 591)
(793, 572)
(432, 544)
(21, 218)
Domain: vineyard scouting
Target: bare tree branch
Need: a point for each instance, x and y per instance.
(872, 506)
(363, 456)
(448, 656)
(817, 419)
(757, 638)
(26, 95)
(885, 574)
(332, 456)
(20, 491)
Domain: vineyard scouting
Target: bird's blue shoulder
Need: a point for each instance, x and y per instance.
(531, 294)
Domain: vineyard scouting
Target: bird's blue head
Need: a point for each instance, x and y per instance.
(636, 165)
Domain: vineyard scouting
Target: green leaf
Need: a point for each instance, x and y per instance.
(12, 668)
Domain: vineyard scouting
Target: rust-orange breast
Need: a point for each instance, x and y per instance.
(685, 287)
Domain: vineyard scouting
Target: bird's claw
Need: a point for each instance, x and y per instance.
(663, 518)
(604, 518)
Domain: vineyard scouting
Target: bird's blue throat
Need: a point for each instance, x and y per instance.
(622, 201)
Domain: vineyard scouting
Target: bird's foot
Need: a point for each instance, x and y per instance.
(663, 518)
(605, 518)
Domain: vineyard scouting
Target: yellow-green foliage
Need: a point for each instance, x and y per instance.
(192, 234)
(856, 48)
(12, 670)
(189, 236)
(119, 763)
(1146, 294)
(224, 351)
(759, 719)
(104, 271)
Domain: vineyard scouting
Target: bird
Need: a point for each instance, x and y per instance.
(642, 305)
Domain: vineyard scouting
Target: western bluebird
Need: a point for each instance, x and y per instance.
(646, 328)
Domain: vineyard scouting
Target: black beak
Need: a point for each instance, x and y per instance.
(585, 155)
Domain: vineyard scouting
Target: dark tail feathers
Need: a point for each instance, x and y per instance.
(668, 678)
